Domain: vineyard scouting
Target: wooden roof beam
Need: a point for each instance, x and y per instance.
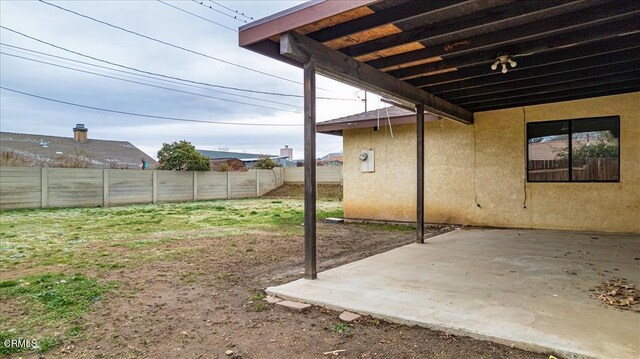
(632, 76)
(341, 67)
(573, 53)
(555, 71)
(295, 17)
(628, 23)
(380, 18)
(589, 17)
(530, 84)
(470, 20)
(574, 94)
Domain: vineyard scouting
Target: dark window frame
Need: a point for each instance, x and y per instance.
(570, 154)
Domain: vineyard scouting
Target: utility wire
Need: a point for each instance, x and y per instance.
(168, 43)
(143, 76)
(158, 74)
(196, 15)
(232, 10)
(146, 115)
(63, 59)
(147, 84)
(218, 11)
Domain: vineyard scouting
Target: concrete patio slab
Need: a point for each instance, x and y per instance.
(527, 288)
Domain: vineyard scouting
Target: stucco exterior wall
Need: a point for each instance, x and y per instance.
(482, 181)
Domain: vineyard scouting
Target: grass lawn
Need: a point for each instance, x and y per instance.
(79, 237)
(64, 251)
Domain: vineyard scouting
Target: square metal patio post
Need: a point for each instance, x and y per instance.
(420, 171)
(310, 271)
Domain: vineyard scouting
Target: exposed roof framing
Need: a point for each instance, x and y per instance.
(564, 49)
(336, 65)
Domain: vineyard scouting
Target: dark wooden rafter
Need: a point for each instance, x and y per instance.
(381, 18)
(589, 17)
(514, 95)
(297, 16)
(573, 53)
(338, 66)
(612, 68)
(557, 71)
(574, 94)
(469, 19)
(630, 22)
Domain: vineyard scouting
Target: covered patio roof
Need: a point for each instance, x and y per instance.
(441, 52)
(451, 58)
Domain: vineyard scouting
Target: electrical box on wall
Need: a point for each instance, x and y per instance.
(367, 160)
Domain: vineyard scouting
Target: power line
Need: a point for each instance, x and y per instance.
(150, 77)
(196, 15)
(158, 74)
(232, 10)
(218, 11)
(168, 43)
(62, 59)
(150, 85)
(146, 115)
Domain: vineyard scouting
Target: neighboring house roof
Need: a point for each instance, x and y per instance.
(369, 119)
(553, 150)
(102, 153)
(220, 155)
(548, 150)
(331, 157)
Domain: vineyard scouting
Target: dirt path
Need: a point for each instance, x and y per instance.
(200, 306)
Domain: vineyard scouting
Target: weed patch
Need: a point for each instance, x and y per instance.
(341, 328)
(50, 302)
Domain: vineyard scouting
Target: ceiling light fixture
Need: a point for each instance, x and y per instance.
(502, 61)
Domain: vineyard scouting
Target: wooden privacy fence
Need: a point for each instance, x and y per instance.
(35, 187)
(589, 169)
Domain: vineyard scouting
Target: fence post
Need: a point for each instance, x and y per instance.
(257, 183)
(228, 185)
(44, 188)
(154, 186)
(195, 186)
(105, 188)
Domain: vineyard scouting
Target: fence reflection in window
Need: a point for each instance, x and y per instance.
(584, 150)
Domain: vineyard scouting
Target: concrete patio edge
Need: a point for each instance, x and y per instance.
(432, 326)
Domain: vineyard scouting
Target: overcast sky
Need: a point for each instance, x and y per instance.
(24, 114)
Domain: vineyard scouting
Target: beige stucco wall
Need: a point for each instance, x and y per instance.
(454, 189)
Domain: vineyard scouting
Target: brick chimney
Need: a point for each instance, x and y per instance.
(286, 152)
(80, 133)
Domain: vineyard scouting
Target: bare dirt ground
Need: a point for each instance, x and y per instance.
(201, 306)
(201, 296)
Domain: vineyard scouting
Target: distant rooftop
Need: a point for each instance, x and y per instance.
(101, 153)
(220, 155)
(396, 115)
